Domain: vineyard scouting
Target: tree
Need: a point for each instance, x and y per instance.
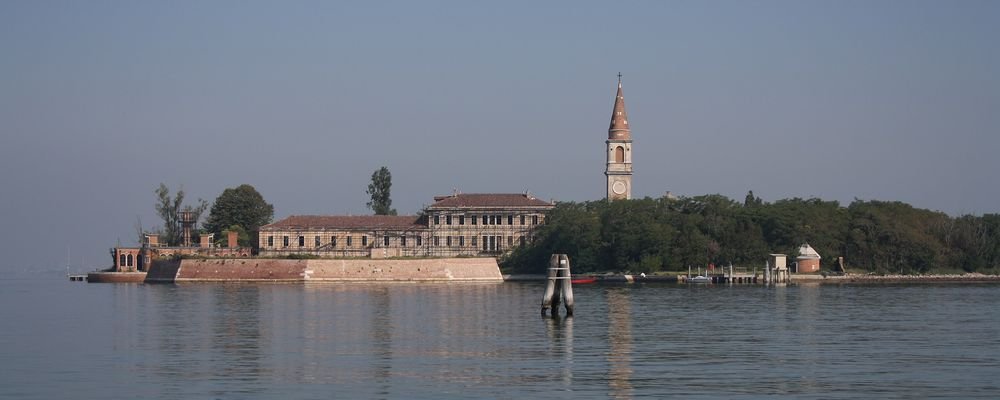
(241, 207)
(381, 204)
(169, 210)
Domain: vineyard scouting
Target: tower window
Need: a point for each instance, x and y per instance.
(619, 154)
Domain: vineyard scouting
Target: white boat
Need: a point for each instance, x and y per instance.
(697, 279)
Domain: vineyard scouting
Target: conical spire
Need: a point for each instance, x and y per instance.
(619, 129)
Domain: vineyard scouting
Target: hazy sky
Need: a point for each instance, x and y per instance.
(101, 101)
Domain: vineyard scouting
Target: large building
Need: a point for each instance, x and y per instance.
(619, 151)
(454, 226)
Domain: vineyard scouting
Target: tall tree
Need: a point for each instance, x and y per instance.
(379, 189)
(169, 209)
(241, 207)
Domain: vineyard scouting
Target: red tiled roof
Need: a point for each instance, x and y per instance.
(401, 222)
(498, 200)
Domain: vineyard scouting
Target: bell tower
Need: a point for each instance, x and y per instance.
(619, 151)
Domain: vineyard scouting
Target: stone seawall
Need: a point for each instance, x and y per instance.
(361, 270)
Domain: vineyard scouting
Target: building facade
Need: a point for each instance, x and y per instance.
(459, 225)
(619, 151)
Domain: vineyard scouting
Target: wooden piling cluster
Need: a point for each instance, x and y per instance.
(558, 286)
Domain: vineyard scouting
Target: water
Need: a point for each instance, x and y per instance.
(61, 339)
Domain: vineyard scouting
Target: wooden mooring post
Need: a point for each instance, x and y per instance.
(558, 286)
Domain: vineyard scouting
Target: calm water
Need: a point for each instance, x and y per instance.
(61, 339)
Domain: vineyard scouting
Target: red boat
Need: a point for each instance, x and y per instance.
(583, 279)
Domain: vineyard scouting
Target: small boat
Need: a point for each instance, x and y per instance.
(583, 279)
(698, 279)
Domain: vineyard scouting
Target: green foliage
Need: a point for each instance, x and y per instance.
(650, 235)
(240, 209)
(169, 208)
(379, 190)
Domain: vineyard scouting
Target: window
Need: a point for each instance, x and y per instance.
(317, 241)
(493, 220)
(520, 240)
(129, 260)
(333, 241)
(485, 242)
(534, 220)
(302, 241)
(484, 220)
(493, 242)
(474, 241)
(510, 241)
(619, 154)
(364, 241)
(510, 220)
(474, 219)
(447, 220)
(437, 220)
(437, 241)
(461, 220)
(499, 219)
(447, 241)
(402, 241)
(522, 219)
(385, 240)
(419, 241)
(270, 241)
(121, 260)
(284, 241)
(349, 241)
(461, 241)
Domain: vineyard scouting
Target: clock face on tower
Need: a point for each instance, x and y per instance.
(618, 187)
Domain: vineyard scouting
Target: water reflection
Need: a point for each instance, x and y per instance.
(381, 333)
(236, 334)
(560, 333)
(620, 343)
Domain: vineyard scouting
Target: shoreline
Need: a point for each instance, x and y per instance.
(803, 278)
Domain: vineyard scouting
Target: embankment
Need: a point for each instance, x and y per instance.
(359, 270)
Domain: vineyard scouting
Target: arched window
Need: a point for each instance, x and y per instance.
(129, 260)
(619, 154)
(121, 260)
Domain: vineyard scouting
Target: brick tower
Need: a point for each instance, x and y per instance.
(619, 151)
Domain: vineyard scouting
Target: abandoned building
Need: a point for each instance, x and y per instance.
(457, 225)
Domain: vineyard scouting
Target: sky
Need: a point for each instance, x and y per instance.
(101, 101)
